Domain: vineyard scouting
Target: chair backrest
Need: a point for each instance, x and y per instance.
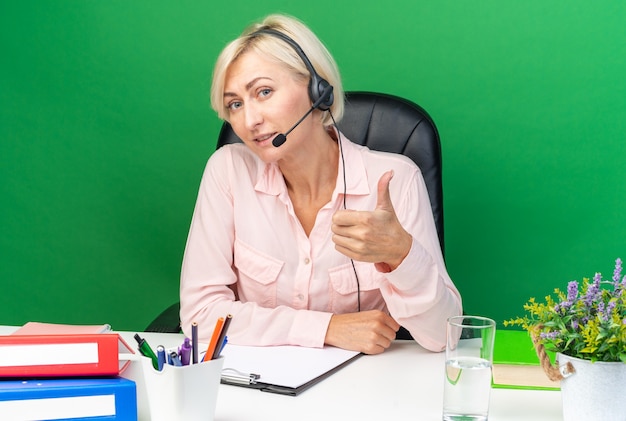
(390, 124)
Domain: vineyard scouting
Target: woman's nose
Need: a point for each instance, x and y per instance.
(253, 116)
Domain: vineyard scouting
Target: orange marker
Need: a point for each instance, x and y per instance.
(216, 334)
(220, 339)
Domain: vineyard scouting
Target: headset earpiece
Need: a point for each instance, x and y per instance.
(318, 91)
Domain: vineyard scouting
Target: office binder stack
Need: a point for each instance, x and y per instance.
(69, 376)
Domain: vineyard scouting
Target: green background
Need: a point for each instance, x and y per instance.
(105, 127)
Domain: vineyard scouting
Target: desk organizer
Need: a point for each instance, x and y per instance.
(176, 393)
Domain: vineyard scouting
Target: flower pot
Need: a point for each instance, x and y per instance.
(595, 391)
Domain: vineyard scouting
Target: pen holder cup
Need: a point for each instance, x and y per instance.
(176, 393)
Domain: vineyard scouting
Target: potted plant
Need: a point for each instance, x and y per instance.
(586, 328)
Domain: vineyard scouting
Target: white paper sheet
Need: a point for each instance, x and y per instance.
(289, 366)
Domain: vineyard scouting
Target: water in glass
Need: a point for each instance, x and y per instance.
(466, 390)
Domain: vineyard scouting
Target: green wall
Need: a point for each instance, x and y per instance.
(105, 128)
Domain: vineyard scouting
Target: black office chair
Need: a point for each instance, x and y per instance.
(381, 122)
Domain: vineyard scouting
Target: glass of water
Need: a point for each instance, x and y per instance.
(469, 356)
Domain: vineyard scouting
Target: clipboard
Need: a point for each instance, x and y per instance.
(284, 370)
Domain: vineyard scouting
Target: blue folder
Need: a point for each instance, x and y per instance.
(111, 398)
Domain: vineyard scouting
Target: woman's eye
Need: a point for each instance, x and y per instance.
(265, 92)
(234, 105)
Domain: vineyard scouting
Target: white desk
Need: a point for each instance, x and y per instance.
(403, 383)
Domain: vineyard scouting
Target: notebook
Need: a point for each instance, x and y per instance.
(516, 364)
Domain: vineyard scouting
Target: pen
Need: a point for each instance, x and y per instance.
(185, 352)
(194, 342)
(223, 345)
(161, 356)
(175, 359)
(146, 351)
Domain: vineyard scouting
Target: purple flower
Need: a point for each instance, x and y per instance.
(574, 324)
(601, 313)
(572, 294)
(609, 309)
(604, 311)
(572, 291)
(593, 290)
(549, 335)
(617, 273)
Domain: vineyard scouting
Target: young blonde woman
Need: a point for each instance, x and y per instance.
(304, 237)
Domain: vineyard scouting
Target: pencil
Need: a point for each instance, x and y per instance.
(194, 343)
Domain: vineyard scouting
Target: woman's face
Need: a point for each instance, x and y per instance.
(264, 99)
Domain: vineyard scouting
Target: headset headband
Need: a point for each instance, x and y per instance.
(320, 91)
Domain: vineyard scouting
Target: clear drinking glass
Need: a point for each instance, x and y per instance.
(469, 357)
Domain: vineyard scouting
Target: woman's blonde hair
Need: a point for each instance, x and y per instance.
(274, 48)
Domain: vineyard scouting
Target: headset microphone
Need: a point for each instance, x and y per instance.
(282, 138)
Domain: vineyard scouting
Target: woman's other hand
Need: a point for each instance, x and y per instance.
(370, 332)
